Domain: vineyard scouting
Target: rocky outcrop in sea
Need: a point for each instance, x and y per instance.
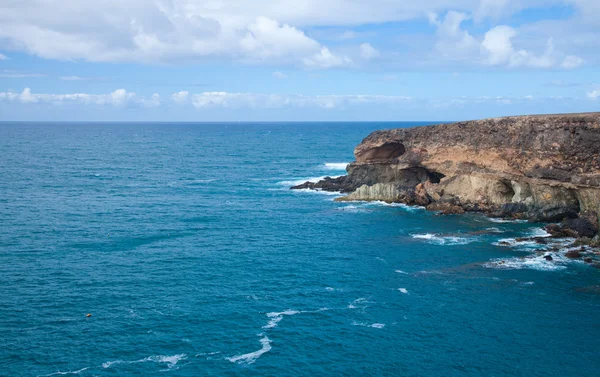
(543, 168)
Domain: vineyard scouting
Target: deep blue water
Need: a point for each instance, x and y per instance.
(194, 259)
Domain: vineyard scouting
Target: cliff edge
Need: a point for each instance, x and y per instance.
(540, 167)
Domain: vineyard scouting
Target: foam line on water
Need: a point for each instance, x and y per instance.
(171, 361)
(437, 239)
(251, 357)
(299, 181)
(59, 373)
(372, 325)
(277, 317)
(335, 165)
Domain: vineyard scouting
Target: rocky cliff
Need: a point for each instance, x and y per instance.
(542, 167)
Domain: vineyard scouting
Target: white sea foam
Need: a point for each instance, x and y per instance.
(399, 205)
(335, 165)
(444, 240)
(501, 221)
(403, 290)
(538, 232)
(322, 192)
(526, 244)
(277, 317)
(512, 242)
(373, 325)
(401, 272)
(249, 358)
(296, 182)
(537, 262)
(171, 361)
(362, 301)
(59, 373)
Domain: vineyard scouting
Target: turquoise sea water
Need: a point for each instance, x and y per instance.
(194, 259)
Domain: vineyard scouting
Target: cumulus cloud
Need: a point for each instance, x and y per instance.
(180, 97)
(3, 57)
(154, 32)
(594, 94)
(325, 59)
(368, 52)
(260, 31)
(497, 49)
(453, 42)
(279, 75)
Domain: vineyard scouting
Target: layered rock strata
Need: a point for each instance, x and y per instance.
(543, 168)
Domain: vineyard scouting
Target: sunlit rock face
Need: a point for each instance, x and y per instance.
(542, 168)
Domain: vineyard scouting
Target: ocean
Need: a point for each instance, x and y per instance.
(192, 256)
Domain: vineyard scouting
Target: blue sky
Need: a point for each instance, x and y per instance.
(233, 60)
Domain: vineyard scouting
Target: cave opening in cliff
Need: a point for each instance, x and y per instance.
(387, 151)
(434, 177)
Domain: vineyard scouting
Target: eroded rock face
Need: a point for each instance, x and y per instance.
(542, 168)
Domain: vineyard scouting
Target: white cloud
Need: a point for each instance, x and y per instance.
(11, 74)
(368, 52)
(72, 78)
(119, 98)
(180, 97)
(572, 61)
(594, 94)
(267, 39)
(3, 57)
(279, 75)
(154, 101)
(325, 59)
(161, 31)
(497, 48)
(453, 42)
(272, 101)
(261, 31)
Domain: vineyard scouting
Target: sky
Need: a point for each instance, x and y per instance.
(297, 60)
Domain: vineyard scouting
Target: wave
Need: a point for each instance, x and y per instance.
(537, 262)
(403, 290)
(436, 239)
(538, 232)
(372, 325)
(171, 361)
(335, 165)
(401, 272)
(250, 358)
(277, 317)
(362, 206)
(59, 373)
(501, 221)
(398, 205)
(528, 244)
(331, 193)
(296, 182)
(359, 301)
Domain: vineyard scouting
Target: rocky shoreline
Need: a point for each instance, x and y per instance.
(542, 168)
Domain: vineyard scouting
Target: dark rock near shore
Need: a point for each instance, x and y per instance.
(573, 254)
